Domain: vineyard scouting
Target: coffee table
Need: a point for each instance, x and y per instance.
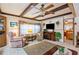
(66, 52)
(54, 51)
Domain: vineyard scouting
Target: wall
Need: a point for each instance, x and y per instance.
(15, 19)
(58, 28)
(76, 28)
(76, 20)
(76, 7)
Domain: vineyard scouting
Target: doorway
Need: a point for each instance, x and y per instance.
(69, 31)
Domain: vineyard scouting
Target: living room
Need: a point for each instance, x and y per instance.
(27, 24)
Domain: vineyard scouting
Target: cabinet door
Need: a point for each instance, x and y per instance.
(52, 35)
(2, 31)
(46, 36)
(2, 40)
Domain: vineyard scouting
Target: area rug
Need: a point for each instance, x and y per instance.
(39, 49)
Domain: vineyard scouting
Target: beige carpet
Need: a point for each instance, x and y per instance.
(38, 49)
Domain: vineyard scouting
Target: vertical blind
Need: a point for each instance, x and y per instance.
(24, 28)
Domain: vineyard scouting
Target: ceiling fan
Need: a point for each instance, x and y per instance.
(43, 11)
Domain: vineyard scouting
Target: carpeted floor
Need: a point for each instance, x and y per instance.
(39, 49)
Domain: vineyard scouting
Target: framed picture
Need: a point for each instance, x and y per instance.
(13, 24)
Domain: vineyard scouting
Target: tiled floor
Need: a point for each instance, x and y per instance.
(16, 51)
(65, 44)
(13, 51)
(20, 51)
(68, 41)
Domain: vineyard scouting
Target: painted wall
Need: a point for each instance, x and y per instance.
(76, 28)
(76, 20)
(76, 7)
(15, 19)
(58, 28)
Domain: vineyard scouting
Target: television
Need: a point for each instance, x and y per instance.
(50, 26)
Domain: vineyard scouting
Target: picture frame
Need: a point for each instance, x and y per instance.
(13, 24)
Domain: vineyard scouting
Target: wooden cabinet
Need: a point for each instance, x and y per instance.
(52, 36)
(2, 31)
(49, 35)
(69, 35)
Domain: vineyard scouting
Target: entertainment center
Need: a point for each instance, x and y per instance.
(49, 33)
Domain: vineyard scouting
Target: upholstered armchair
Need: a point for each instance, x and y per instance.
(16, 42)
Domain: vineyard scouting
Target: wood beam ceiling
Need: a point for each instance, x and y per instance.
(27, 8)
(55, 10)
(57, 16)
(19, 16)
(49, 6)
(59, 8)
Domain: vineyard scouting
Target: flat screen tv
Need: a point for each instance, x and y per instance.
(50, 26)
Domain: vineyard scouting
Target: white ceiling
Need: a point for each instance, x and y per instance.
(18, 8)
(32, 12)
(13, 8)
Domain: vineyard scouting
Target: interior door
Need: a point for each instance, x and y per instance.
(69, 29)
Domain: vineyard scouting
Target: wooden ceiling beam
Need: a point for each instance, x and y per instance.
(27, 8)
(49, 6)
(57, 16)
(56, 9)
(59, 8)
(19, 16)
(38, 16)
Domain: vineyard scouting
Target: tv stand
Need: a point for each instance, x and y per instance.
(49, 35)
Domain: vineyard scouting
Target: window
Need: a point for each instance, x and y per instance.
(29, 28)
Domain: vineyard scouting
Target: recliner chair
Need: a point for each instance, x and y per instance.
(15, 42)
